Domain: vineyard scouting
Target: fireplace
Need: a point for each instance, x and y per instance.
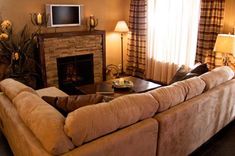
(66, 44)
(75, 71)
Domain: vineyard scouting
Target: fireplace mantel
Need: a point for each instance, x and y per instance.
(63, 44)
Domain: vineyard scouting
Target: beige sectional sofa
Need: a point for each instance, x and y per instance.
(172, 120)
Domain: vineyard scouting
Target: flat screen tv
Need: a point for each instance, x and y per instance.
(62, 15)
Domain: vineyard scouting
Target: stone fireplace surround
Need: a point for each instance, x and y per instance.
(64, 44)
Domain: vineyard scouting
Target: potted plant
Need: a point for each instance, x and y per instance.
(17, 54)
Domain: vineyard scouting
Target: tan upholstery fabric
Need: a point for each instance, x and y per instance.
(44, 121)
(178, 92)
(12, 88)
(51, 91)
(21, 140)
(169, 96)
(185, 127)
(217, 76)
(194, 86)
(90, 122)
(139, 139)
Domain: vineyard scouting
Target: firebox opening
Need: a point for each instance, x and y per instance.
(75, 71)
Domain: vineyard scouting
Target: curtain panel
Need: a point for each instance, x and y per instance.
(136, 50)
(172, 37)
(210, 25)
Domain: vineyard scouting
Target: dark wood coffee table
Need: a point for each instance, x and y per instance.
(140, 86)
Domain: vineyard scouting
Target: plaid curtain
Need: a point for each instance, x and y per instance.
(212, 13)
(136, 51)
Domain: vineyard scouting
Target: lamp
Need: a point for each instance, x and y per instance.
(225, 44)
(122, 28)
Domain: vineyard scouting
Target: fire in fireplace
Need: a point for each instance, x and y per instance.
(75, 71)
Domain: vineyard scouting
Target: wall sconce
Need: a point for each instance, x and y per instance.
(39, 20)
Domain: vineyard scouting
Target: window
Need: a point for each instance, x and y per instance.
(172, 31)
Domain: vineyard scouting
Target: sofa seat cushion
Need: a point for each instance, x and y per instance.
(46, 123)
(12, 88)
(90, 122)
(217, 76)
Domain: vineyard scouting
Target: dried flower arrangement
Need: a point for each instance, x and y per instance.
(17, 51)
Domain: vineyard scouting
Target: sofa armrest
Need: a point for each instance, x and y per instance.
(51, 91)
(18, 135)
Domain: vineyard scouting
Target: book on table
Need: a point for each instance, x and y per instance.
(104, 88)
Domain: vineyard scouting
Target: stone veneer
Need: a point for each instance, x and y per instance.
(72, 46)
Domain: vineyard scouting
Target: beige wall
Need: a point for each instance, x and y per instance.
(107, 11)
(229, 20)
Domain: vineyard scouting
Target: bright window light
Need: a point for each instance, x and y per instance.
(172, 30)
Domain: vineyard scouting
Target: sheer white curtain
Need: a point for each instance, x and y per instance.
(172, 36)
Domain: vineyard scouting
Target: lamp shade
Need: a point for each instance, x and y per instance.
(121, 27)
(225, 44)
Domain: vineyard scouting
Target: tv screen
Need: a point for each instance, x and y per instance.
(64, 15)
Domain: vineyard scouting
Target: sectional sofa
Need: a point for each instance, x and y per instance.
(172, 120)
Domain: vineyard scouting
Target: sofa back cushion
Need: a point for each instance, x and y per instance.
(46, 123)
(194, 86)
(90, 122)
(217, 76)
(178, 92)
(169, 96)
(51, 91)
(12, 88)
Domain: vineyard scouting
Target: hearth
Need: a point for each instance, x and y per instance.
(75, 71)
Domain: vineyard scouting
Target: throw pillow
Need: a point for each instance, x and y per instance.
(70, 103)
(189, 75)
(180, 73)
(200, 69)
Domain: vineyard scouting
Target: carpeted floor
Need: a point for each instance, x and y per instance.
(222, 144)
